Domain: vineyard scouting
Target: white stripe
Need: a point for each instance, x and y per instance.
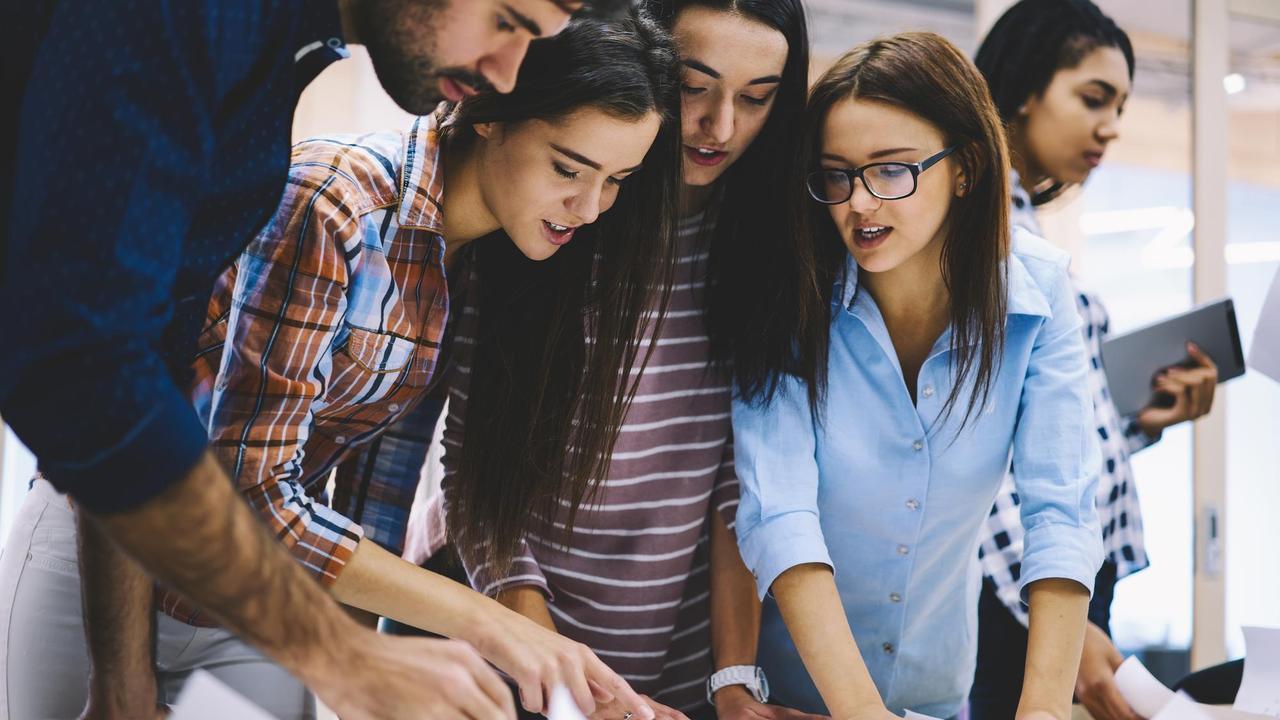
(679, 394)
(696, 599)
(510, 581)
(687, 658)
(670, 475)
(682, 340)
(694, 258)
(618, 653)
(608, 631)
(644, 504)
(689, 631)
(681, 686)
(641, 427)
(633, 454)
(620, 608)
(683, 313)
(629, 532)
(659, 369)
(610, 556)
(613, 582)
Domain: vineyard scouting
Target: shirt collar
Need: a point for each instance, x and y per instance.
(422, 173)
(1025, 295)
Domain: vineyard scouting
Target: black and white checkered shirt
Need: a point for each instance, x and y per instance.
(1118, 511)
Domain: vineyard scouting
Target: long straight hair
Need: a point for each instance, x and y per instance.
(764, 312)
(552, 372)
(924, 74)
(1031, 42)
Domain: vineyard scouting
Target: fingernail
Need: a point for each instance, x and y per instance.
(1193, 346)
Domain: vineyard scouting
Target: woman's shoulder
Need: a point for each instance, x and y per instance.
(1038, 272)
(360, 172)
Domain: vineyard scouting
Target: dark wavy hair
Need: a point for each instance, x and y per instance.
(558, 339)
(764, 311)
(1031, 42)
(926, 75)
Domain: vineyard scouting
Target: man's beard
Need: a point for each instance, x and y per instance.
(401, 38)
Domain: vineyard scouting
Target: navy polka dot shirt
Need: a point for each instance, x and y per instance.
(149, 141)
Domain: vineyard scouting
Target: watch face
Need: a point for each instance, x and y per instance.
(761, 690)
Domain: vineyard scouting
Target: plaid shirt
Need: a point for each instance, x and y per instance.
(320, 342)
(1118, 511)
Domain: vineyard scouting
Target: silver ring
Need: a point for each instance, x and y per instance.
(627, 716)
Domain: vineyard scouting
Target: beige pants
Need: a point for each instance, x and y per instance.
(44, 664)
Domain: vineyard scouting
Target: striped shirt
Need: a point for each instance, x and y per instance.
(634, 585)
(1119, 513)
(324, 334)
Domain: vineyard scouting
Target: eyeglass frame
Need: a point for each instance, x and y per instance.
(916, 169)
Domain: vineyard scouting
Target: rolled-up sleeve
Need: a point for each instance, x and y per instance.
(777, 525)
(113, 159)
(1055, 452)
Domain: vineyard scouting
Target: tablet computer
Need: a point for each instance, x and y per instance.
(1132, 360)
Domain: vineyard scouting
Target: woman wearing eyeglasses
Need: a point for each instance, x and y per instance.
(954, 347)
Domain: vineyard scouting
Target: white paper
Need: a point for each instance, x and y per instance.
(1144, 693)
(562, 705)
(204, 697)
(1260, 687)
(912, 715)
(1181, 707)
(1264, 354)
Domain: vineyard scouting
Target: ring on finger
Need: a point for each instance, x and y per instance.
(627, 716)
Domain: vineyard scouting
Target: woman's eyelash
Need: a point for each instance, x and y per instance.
(564, 171)
(689, 89)
(1094, 102)
(756, 100)
(505, 25)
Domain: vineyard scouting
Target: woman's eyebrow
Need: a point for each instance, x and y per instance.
(700, 67)
(1105, 86)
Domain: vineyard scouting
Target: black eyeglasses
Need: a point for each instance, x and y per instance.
(885, 180)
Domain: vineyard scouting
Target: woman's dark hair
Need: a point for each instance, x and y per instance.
(557, 340)
(1031, 42)
(763, 307)
(925, 75)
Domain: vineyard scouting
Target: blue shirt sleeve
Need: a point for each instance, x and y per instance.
(1055, 451)
(775, 447)
(114, 137)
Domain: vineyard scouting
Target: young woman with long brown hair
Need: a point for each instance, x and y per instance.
(953, 346)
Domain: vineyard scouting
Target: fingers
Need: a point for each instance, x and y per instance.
(1117, 708)
(1201, 358)
(486, 696)
(662, 712)
(532, 697)
(785, 713)
(610, 681)
(600, 692)
(575, 678)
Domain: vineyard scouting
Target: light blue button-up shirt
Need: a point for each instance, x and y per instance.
(892, 498)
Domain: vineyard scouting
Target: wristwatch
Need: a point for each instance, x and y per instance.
(749, 675)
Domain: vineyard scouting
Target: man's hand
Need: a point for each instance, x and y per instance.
(1191, 389)
(389, 677)
(736, 703)
(1096, 682)
(94, 711)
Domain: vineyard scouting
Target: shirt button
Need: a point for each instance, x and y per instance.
(928, 391)
(903, 549)
(917, 445)
(334, 43)
(341, 439)
(895, 597)
(888, 648)
(394, 407)
(221, 384)
(913, 504)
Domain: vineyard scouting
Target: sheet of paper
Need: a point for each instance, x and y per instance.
(1260, 687)
(205, 698)
(1264, 353)
(911, 715)
(1181, 707)
(1144, 693)
(562, 705)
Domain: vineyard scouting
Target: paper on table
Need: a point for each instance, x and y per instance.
(911, 715)
(1264, 354)
(562, 705)
(1181, 707)
(1260, 687)
(204, 697)
(1144, 693)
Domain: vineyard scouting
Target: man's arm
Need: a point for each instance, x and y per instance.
(199, 537)
(119, 623)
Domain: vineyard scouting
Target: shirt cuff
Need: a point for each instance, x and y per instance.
(1057, 550)
(157, 453)
(781, 543)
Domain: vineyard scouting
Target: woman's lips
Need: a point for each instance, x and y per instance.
(556, 236)
(706, 159)
(1093, 159)
(870, 241)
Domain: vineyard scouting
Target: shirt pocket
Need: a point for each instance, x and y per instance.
(378, 353)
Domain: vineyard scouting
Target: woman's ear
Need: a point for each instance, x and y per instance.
(488, 130)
